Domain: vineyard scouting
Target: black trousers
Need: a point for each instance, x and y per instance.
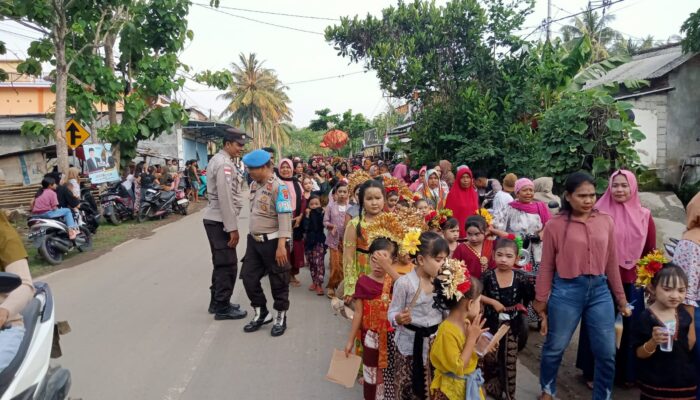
(259, 261)
(225, 262)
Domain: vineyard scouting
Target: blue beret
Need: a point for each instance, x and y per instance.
(256, 158)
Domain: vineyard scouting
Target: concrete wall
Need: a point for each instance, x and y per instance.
(647, 148)
(683, 127)
(33, 163)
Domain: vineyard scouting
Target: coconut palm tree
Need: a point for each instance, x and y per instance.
(596, 26)
(630, 47)
(257, 98)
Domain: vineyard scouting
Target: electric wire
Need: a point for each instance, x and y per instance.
(259, 21)
(272, 13)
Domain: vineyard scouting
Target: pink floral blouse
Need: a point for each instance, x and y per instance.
(687, 256)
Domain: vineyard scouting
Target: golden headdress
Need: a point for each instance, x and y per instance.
(403, 228)
(356, 179)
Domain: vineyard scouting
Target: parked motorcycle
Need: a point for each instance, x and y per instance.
(29, 375)
(117, 204)
(159, 203)
(50, 237)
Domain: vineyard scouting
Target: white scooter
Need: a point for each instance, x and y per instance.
(29, 376)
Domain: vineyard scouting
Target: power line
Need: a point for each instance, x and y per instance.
(19, 34)
(286, 84)
(273, 13)
(259, 21)
(325, 78)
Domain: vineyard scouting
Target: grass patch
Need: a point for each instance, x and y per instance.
(107, 237)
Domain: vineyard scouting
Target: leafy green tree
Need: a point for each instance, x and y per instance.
(417, 46)
(587, 130)
(354, 124)
(594, 25)
(80, 39)
(324, 120)
(691, 29)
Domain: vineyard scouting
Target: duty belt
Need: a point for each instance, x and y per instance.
(264, 237)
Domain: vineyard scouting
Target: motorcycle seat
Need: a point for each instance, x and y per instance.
(30, 314)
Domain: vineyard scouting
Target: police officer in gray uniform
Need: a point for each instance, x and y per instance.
(224, 186)
(266, 251)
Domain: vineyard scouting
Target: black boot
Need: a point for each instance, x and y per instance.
(262, 317)
(230, 313)
(212, 307)
(280, 324)
(212, 304)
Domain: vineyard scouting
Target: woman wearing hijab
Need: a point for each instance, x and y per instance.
(286, 173)
(432, 191)
(635, 237)
(687, 256)
(421, 175)
(463, 199)
(543, 193)
(447, 176)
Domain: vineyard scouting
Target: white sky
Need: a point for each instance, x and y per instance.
(298, 56)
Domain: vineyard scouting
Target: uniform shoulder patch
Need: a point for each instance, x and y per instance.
(283, 203)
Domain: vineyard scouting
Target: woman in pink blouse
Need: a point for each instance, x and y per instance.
(579, 261)
(635, 237)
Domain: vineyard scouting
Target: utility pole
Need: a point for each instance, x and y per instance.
(549, 19)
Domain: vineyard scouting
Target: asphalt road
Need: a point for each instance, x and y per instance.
(140, 328)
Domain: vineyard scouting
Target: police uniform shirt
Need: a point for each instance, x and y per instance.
(224, 191)
(270, 208)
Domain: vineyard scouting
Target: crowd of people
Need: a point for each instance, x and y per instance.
(430, 261)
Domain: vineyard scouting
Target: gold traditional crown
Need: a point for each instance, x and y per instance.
(386, 225)
(356, 179)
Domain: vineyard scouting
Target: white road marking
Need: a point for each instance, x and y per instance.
(175, 392)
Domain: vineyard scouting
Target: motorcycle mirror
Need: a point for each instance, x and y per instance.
(9, 282)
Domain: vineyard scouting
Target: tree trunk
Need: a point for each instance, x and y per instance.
(61, 94)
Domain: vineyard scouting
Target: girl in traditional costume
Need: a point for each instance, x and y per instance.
(453, 354)
(413, 316)
(355, 240)
(476, 252)
(370, 325)
(507, 290)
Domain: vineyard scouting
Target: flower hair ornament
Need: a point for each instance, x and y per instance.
(435, 219)
(452, 283)
(648, 266)
(486, 214)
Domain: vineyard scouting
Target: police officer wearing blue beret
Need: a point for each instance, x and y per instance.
(266, 252)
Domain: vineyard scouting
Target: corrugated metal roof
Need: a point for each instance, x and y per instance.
(15, 123)
(649, 65)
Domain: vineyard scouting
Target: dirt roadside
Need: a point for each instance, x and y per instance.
(570, 383)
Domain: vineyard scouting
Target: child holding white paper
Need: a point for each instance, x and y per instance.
(507, 290)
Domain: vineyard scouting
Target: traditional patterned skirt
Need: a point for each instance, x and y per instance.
(403, 378)
(297, 259)
(373, 375)
(499, 369)
(438, 395)
(336, 268)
